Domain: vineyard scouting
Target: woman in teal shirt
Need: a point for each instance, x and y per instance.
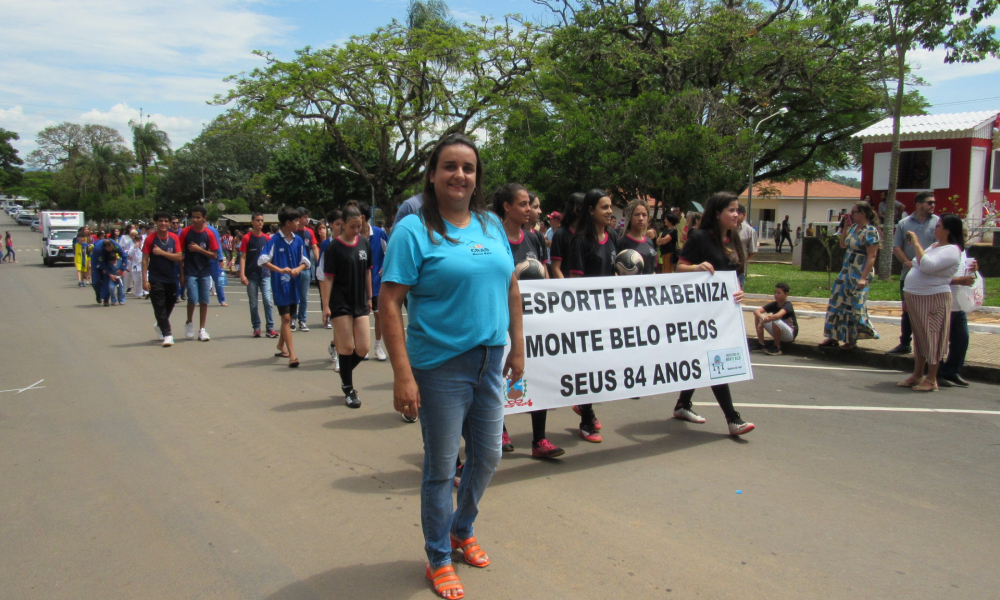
(453, 259)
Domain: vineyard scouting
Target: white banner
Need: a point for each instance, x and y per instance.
(598, 339)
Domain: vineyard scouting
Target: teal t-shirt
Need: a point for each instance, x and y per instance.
(458, 292)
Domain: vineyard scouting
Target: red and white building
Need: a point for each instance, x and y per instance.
(956, 156)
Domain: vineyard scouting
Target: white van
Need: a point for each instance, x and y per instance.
(58, 230)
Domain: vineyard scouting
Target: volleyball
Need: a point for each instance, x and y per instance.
(529, 269)
(628, 262)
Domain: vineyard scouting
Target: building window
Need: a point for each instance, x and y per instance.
(915, 170)
(995, 179)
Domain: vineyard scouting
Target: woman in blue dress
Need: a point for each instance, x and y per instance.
(847, 314)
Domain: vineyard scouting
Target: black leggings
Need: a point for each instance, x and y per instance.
(722, 396)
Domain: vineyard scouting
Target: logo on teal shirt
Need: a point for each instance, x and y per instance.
(478, 249)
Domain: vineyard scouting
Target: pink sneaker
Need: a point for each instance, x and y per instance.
(505, 444)
(545, 449)
(590, 433)
(597, 423)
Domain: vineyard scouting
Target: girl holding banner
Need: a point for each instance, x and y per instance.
(715, 246)
(592, 254)
(453, 260)
(513, 204)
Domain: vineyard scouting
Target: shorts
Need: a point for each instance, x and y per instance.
(198, 289)
(288, 309)
(346, 305)
(784, 330)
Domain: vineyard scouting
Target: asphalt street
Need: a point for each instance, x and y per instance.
(211, 470)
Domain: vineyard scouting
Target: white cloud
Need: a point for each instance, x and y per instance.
(930, 65)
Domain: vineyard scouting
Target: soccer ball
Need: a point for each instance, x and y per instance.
(628, 262)
(530, 269)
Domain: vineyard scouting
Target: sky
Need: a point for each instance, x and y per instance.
(104, 61)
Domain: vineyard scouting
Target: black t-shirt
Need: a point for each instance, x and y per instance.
(590, 259)
(346, 267)
(161, 268)
(543, 250)
(671, 246)
(786, 227)
(527, 248)
(561, 240)
(645, 248)
(789, 318)
(252, 245)
(700, 247)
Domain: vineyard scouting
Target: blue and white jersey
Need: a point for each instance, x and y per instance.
(284, 252)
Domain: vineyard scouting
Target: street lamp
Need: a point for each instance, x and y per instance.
(343, 168)
(779, 112)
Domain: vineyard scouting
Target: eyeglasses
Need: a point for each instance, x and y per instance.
(931, 202)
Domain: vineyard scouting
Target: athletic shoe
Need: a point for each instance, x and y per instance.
(956, 379)
(597, 422)
(256, 333)
(545, 449)
(409, 418)
(380, 351)
(352, 400)
(272, 333)
(189, 331)
(203, 335)
(900, 350)
(686, 414)
(332, 350)
(302, 326)
(590, 433)
(159, 333)
(329, 324)
(168, 340)
(505, 444)
(106, 303)
(294, 324)
(738, 427)
(772, 351)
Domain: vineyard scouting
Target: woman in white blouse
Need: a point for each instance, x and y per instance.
(927, 294)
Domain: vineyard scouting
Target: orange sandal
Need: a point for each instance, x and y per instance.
(444, 580)
(474, 555)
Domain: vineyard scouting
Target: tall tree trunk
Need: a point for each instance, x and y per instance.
(143, 180)
(884, 266)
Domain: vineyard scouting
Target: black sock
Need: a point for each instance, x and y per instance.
(538, 425)
(347, 372)
(587, 413)
(357, 359)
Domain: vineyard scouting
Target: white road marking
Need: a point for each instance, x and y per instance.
(826, 368)
(30, 387)
(861, 408)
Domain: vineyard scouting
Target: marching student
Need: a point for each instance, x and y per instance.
(218, 283)
(715, 246)
(286, 258)
(336, 220)
(160, 252)
(312, 252)
(592, 254)
(347, 292)
(254, 278)
(98, 276)
(636, 224)
(563, 236)
(378, 240)
(111, 264)
(200, 248)
(513, 204)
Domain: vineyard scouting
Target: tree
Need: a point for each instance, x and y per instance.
(954, 25)
(149, 144)
(11, 172)
(655, 98)
(103, 171)
(390, 84)
(59, 145)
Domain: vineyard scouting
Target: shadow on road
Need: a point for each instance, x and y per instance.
(373, 422)
(305, 405)
(390, 581)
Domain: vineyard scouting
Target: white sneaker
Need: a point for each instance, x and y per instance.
(687, 414)
(302, 326)
(380, 352)
(189, 331)
(203, 335)
(159, 334)
(293, 325)
(329, 323)
(168, 340)
(334, 357)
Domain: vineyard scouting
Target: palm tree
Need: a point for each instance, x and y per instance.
(105, 169)
(149, 143)
(419, 15)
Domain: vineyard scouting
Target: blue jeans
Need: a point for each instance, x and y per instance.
(264, 286)
(115, 290)
(958, 344)
(181, 289)
(220, 290)
(304, 280)
(199, 289)
(462, 398)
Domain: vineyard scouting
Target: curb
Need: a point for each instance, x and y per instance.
(878, 359)
(976, 327)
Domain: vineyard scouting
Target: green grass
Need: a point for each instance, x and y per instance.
(815, 285)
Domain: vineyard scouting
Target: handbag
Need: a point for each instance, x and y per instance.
(971, 297)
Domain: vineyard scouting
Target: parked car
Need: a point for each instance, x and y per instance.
(25, 218)
(34, 224)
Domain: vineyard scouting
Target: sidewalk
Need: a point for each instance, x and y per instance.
(982, 362)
